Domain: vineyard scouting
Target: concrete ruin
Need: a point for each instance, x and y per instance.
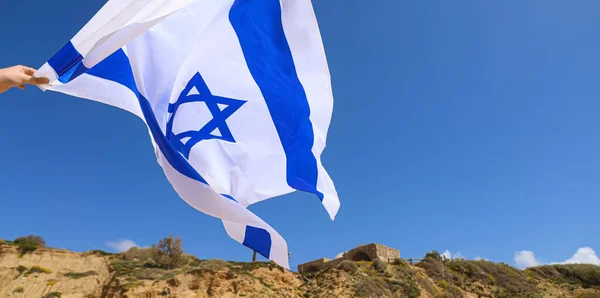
(369, 253)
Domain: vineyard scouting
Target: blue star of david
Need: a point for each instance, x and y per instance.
(221, 108)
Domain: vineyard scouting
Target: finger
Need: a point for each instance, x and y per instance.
(28, 70)
(21, 79)
(37, 81)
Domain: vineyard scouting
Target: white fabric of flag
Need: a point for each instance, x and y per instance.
(236, 95)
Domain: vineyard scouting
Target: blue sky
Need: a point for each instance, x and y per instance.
(468, 126)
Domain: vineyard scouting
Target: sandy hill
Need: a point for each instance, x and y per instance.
(45, 272)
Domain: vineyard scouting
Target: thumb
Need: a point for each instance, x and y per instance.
(37, 81)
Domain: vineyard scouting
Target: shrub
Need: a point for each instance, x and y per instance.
(52, 295)
(100, 252)
(348, 266)
(35, 240)
(426, 284)
(165, 292)
(173, 282)
(409, 288)
(455, 291)
(492, 279)
(29, 243)
(21, 269)
(51, 282)
(19, 290)
(434, 255)
(169, 253)
(132, 285)
(213, 265)
(588, 295)
(371, 288)
(379, 265)
(399, 262)
(585, 275)
(434, 268)
(38, 269)
(151, 273)
(78, 275)
(141, 254)
(193, 261)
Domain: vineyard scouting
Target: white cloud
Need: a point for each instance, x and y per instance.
(449, 256)
(584, 255)
(340, 255)
(525, 259)
(121, 245)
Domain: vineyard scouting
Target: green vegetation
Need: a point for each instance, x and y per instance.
(348, 266)
(167, 254)
(19, 289)
(213, 265)
(372, 288)
(78, 275)
(454, 275)
(587, 276)
(29, 243)
(131, 285)
(100, 252)
(502, 280)
(38, 269)
(588, 295)
(435, 275)
(160, 262)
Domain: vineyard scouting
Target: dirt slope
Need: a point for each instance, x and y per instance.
(59, 273)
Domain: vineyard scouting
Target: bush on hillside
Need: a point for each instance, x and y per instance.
(29, 243)
(100, 252)
(78, 275)
(433, 255)
(587, 276)
(379, 265)
(38, 269)
(348, 266)
(511, 282)
(169, 253)
(588, 295)
(140, 254)
(371, 288)
(213, 265)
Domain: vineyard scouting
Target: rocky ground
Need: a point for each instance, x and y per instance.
(49, 273)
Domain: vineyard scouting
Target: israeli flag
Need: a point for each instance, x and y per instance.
(236, 95)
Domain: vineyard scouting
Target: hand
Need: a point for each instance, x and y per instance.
(18, 76)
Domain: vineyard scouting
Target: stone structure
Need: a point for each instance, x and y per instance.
(369, 252)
